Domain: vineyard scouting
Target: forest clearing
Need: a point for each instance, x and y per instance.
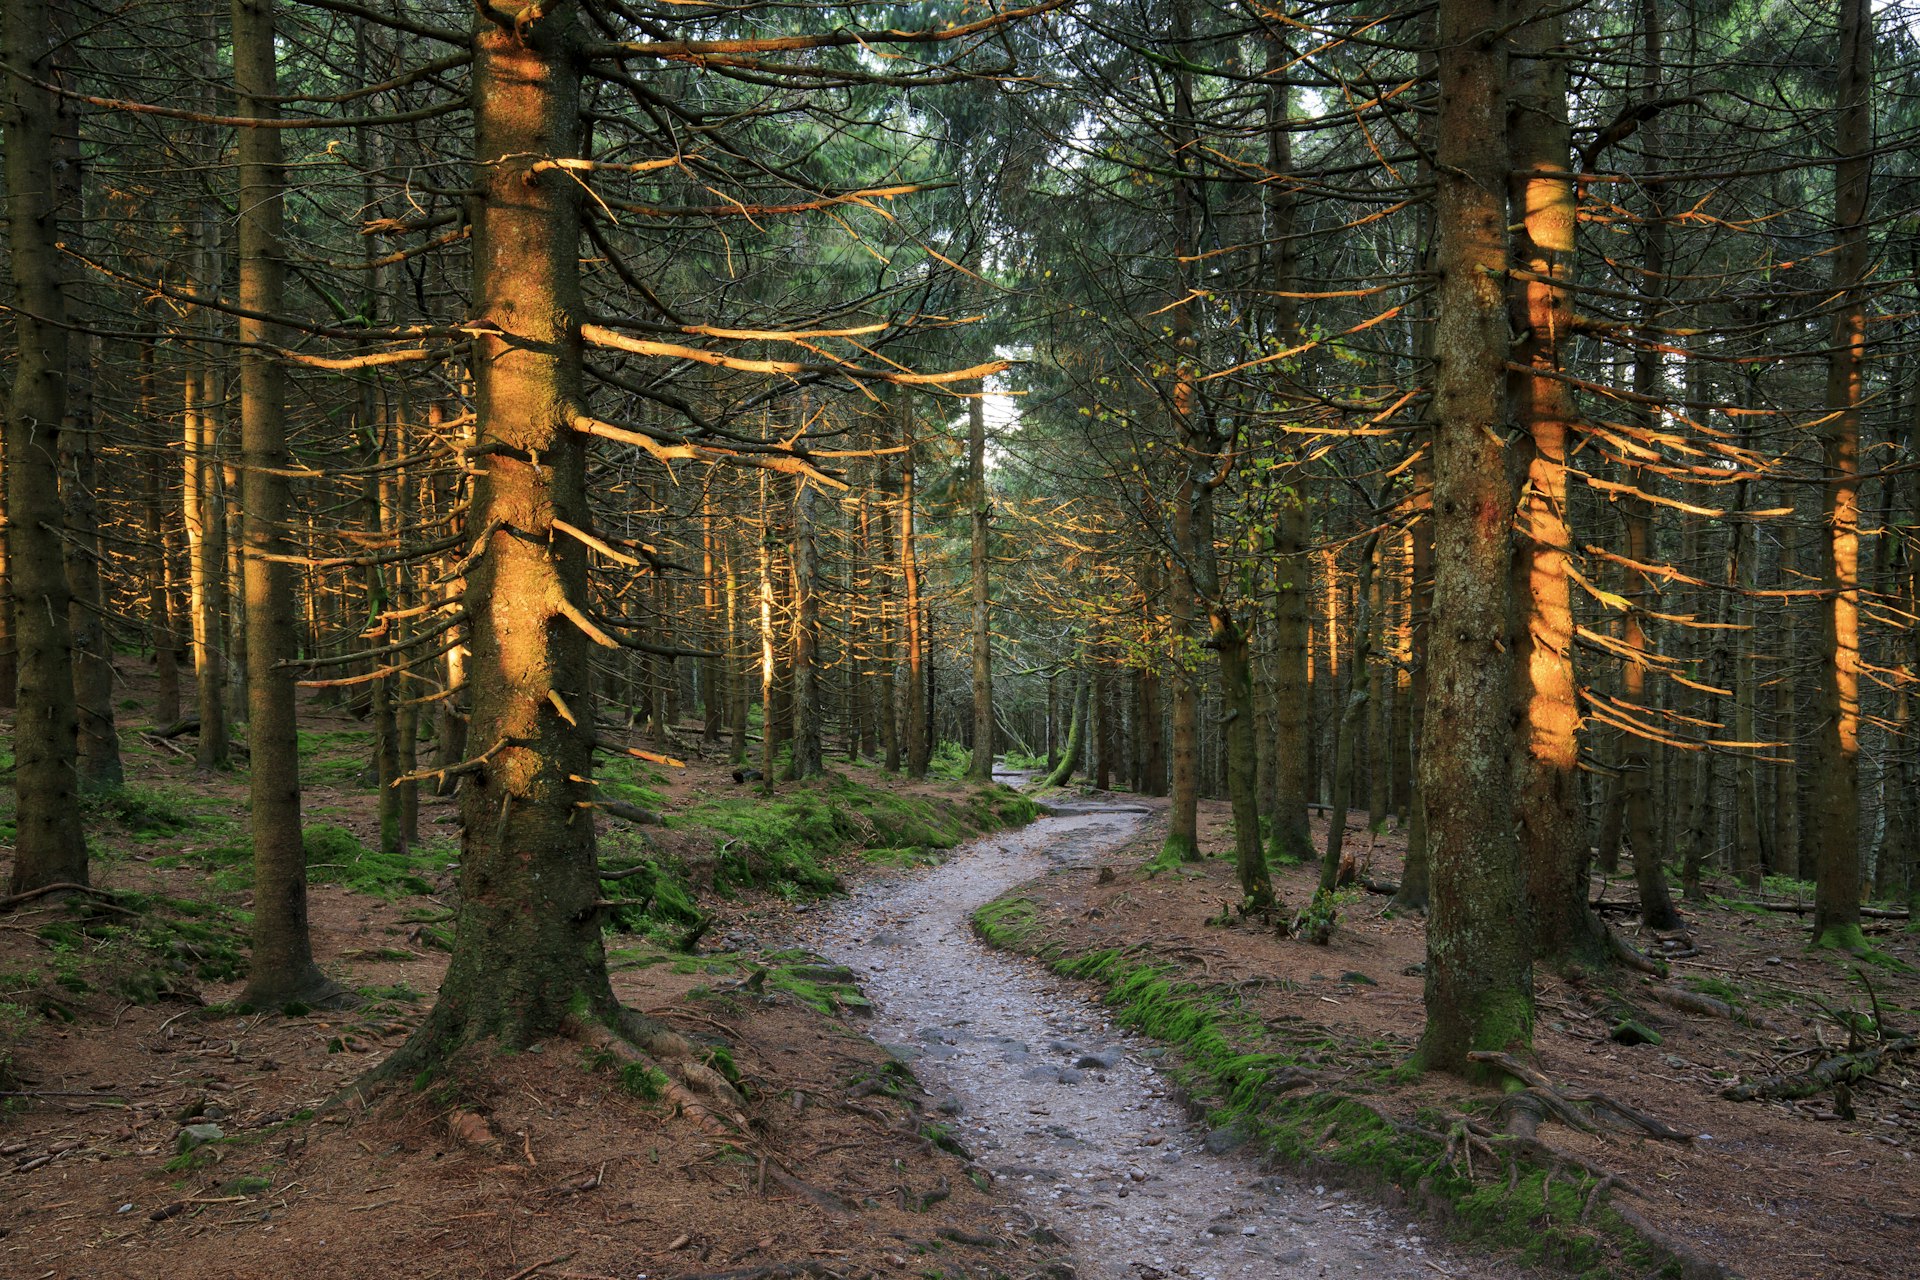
(537, 534)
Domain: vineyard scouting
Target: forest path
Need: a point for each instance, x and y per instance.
(1068, 1109)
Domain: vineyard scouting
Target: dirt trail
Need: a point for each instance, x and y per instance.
(1058, 1102)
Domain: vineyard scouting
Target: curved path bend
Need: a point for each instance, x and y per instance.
(1070, 1110)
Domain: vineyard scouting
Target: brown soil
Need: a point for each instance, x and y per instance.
(538, 1164)
(1771, 1190)
(523, 1165)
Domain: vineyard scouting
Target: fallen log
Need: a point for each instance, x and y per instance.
(1841, 1069)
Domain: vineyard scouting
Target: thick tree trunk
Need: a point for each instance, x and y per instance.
(1836, 917)
(49, 846)
(528, 950)
(1479, 989)
(283, 967)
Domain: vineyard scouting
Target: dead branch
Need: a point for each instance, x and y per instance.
(1842, 1068)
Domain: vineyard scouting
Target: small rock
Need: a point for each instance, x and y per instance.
(1221, 1141)
(198, 1135)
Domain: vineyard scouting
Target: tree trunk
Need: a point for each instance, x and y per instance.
(980, 769)
(98, 750)
(1553, 837)
(528, 950)
(806, 759)
(917, 748)
(1479, 988)
(1638, 759)
(1347, 729)
(283, 967)
(713, 674)
(49, 847)
(1836, 790)
(158, 551)
(1076, 738)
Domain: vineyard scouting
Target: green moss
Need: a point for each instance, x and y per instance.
(911, 856)
(336, 856)
(1249, 1071)
(1718, 988)
(641, 1081)
(144, 811)
(1006, 922)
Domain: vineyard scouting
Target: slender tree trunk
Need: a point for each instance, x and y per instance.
(980, 769)
(767, 663)
(1479, 989)
(1347, 729)
(159, 551)
(1553, 836)
(528, 950)
(1076, 737)
(713, 672)
(1836, 916)
(919, 709)
(806, 761)
(1639, 761)
(201, 505)
(283, 967)
(1292, 841)
(98, 757)
(49, 847)
(738, 662)
(1150, 729)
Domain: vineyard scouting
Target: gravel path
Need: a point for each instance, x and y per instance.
(1057, 1101)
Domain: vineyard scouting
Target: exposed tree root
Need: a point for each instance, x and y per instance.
(1565, 1106)
(1631, 956)
(665, 1047)
(103, 897)
(1707, 1006)
(1829, 1073)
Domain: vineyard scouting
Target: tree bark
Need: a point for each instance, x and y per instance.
(980, 768)
(806, 758)
(49, 847)
(1836, 917)
(918, 749)
(527, 949)
(1479, 988)
(283, 967)
(1553, 835)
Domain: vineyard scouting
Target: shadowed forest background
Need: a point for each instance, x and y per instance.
(1458, 460)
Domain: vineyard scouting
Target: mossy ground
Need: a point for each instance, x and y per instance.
(1307, 1094)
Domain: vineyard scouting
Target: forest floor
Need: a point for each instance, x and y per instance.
(117, 1026)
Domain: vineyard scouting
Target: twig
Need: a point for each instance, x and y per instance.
(524, 1272)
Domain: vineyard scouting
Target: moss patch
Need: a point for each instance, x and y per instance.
(1303, 1090)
